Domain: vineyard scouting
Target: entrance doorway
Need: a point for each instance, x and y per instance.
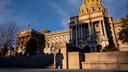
(31, 47)
(86, 49)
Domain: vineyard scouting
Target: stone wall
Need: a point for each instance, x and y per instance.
(36, 61)
(74, 60)
(123, 46)
(53, 39)
(106, 60)
(63, 48)
(118, 27)
(28, 37)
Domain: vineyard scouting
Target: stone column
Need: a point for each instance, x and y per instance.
(76, 33)
(81, 32)
(105, 33)
(71, 33)
(38, 49)
(82, 35)
(101, 33)
(104, 27)
(18, 44)
(113, 33)
(90, 33)
(101, 30)
(89, 28)
(94, 37)
(93, 33)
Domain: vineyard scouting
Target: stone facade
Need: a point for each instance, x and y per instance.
(91, 27)
(27, 39)
(54, 39)
(117, 25)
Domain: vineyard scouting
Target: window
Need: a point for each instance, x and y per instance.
(98, 33)
(99, 8)
(82, 11)
(93, 9)
(48, 45)
(97, 25)
(87, 9)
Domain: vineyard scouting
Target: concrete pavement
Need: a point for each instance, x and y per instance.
(53, 70)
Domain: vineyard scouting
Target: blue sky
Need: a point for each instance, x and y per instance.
(50, 14)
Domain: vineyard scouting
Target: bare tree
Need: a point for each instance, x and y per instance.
(7, 37)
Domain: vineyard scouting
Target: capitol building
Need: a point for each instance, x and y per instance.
(90, 32)
(92, 27)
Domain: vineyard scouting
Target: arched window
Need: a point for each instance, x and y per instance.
(48, 45)
(99, 47)
(93, 9)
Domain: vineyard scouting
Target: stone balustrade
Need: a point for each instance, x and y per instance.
(106, 60)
